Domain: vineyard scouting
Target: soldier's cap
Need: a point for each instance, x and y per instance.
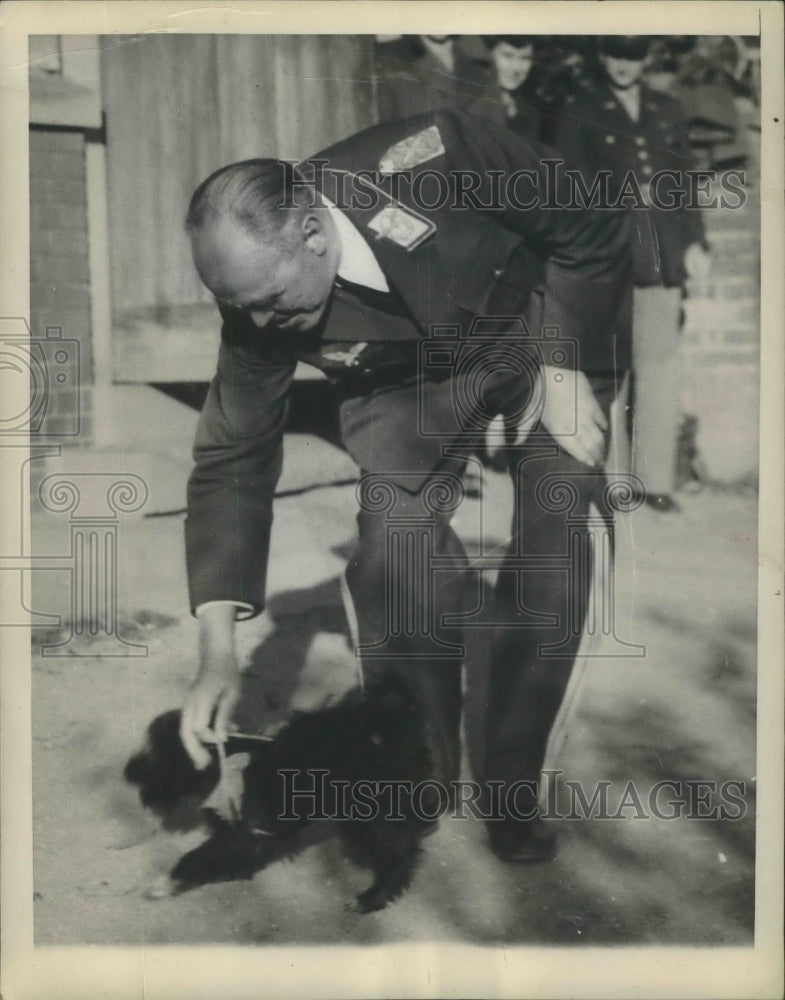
(635, 47)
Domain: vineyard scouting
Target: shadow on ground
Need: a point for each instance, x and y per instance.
(684, 714)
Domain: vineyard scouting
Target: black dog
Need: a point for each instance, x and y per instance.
(358, 762)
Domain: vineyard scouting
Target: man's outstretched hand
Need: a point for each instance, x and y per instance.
(207, 712)
(572, 415)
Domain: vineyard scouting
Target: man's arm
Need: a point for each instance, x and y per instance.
(238, 456)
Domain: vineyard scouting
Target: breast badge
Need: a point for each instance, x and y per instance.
(350, 358)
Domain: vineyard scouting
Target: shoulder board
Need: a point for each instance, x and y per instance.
(412, 151)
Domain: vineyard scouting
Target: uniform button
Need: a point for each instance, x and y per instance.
(646, 170)
(642, 154)
(498, 272)
(639, 140)
(610, 138)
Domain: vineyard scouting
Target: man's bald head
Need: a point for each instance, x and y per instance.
(251, 194)
(277, 263)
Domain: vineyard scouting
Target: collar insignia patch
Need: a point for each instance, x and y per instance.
(412, 151)
(404, 228)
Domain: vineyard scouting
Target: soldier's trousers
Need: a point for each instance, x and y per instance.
(656, 363)
(540, 600)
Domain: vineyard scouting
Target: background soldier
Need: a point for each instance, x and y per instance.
(623, 126)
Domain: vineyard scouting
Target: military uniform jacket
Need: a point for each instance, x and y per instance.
(595, 133)
(447, 266)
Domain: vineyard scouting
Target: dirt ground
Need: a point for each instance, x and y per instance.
(685, 711)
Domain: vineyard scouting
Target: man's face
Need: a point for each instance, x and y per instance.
(622, 73)
(285, 284)
(512, 65)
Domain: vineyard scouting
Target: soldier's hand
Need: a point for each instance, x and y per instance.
(572, 415)
(207, 712)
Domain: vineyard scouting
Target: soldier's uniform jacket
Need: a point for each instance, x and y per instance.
(595, 132)
(564, 269)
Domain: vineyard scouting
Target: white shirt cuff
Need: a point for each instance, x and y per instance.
(242, 610)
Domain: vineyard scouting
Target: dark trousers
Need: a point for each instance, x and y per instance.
(408, 573)
(544, 608)
(399, 599)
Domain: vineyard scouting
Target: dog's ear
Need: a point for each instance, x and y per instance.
(162, 741)
(164, 731)
(135, 770)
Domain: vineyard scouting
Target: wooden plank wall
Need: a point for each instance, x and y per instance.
(179, 107)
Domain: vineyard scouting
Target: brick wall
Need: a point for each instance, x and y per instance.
(60, 275)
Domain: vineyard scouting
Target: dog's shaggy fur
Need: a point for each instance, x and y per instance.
(378, 737)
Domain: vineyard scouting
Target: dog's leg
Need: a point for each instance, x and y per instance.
(228, 856)
(389, 884)
(393, 867)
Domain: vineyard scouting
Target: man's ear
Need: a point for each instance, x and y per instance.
(314, 235)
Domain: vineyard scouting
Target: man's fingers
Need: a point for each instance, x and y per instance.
(590, 411)
(191, 742)
(575, 447)
(593, 441)
(588, 445)
(195, 729)
(570, 401)
(222, 716)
